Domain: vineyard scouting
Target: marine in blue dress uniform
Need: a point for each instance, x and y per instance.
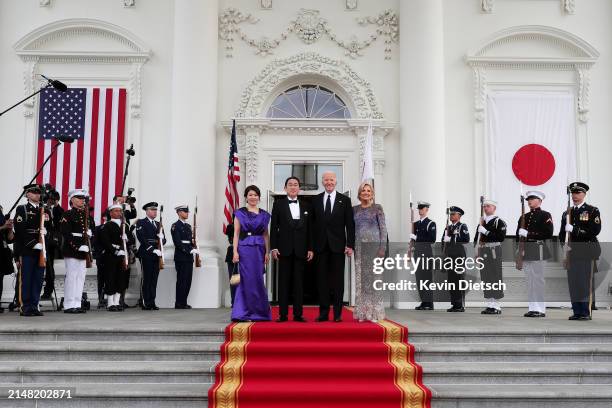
(27, 250)
(149, 234)
(424, 235)
(581, 232)
(455, 235)
(184, 250)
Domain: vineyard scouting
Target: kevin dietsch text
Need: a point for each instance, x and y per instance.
(463, 284)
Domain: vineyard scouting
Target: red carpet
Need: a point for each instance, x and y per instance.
(299, 365)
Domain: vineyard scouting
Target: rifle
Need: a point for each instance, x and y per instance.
(411, 245)
(521, 245)
(198, 261)
(478, 244)
(445, 228)
(42, 257)
(568, 237)
(88, 258)
(126, 257)
(160, 244)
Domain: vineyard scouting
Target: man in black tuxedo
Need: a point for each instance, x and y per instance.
(334, 237)
(291, 242)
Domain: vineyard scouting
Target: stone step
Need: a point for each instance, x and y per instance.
(509, 352)
(75, 372)
(109, 351)
(32, 334)
(105, 395)
(520, 396)
(547, 337)
(516, 373)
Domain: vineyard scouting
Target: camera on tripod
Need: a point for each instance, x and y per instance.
(129, 199)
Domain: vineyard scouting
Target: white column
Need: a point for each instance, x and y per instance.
(422, 140)
(192, 144)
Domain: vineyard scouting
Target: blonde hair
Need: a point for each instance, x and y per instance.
(362, 186)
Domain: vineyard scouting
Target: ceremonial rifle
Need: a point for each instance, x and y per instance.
(160, 244)
(445, 228)
(42, 257)
(126, 257)
(478, 234)
(568, 236)
(521, 244)
(88, 258)
(198, 261)
(411, 245)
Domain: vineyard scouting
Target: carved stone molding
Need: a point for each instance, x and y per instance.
(259, 89)
(251, 154)
(309, 26)
(44, 3)
(37, 47)
(584, 87)
(488, 6)
(129, 3)
(350, 5)
(561, 51)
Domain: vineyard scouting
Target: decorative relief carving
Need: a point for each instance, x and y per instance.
(480, 92)
(259, 88)
(309, 26)
(569, 6)
(350, 5)
(44, 3)
(251, 154)
(584, 88)
(487, 6)
(265, 4)
(129, 3)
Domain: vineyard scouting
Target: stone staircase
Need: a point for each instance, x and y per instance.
(122, 368)
(535, 368)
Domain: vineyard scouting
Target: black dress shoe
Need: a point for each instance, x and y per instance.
(72, 310)
(535, 314)
(456, 309)
(322, 319)
(37, 313)
(180, 307)
(81, 310)
(593, 307)
(337, 319)
(112, 308)
(26, 314)
(577, 317)
(423, 306)
(299, 319)
(491, 311)
(154, 307)
(282, 319)
(146, 308)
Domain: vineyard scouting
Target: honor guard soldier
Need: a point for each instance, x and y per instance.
(115, 262)
(76, 226)
(184, 250)
(151, 238)
(32, 222)
(54, 240)
(424, 236)
(580, 235)
(538, 230)
(490, 234)
(7, 237)
(455, 235)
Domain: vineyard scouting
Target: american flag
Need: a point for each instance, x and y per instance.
(95, 118)
(233, 177)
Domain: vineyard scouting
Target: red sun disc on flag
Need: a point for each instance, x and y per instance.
(533, 164)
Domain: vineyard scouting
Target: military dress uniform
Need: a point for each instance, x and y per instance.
(147, 231)
(54, 239)
(454, 248)
(585, 223)
(27, 250)
(114, 270)
(76, 249)
(6, 255)
(491, 252)
(424, 235)
(540, 229)
(182, 237)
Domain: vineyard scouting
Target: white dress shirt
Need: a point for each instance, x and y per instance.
(332, 198)
(294, 208)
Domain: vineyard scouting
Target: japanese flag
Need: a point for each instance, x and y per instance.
(531, 145)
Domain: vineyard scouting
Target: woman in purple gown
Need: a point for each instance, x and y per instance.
(251, 251)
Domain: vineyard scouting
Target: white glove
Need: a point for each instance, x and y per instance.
(43, 231)
(89, 233)
(121, 252)
(160, 235)
(482, 230)
(523, 232)
(447, 238)
(412, 236)
(569, 227)
(194, 251)
(124, 237)
(38, 246)
(157, 252)
(83, 248)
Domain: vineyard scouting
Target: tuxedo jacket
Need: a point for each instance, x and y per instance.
(289, 236)
(337, 230)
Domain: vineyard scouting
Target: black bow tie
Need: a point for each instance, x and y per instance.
(293, 201)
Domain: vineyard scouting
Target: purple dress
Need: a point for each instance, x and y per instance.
(251, 301)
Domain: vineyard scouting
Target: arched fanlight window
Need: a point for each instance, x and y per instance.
(308, 101)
